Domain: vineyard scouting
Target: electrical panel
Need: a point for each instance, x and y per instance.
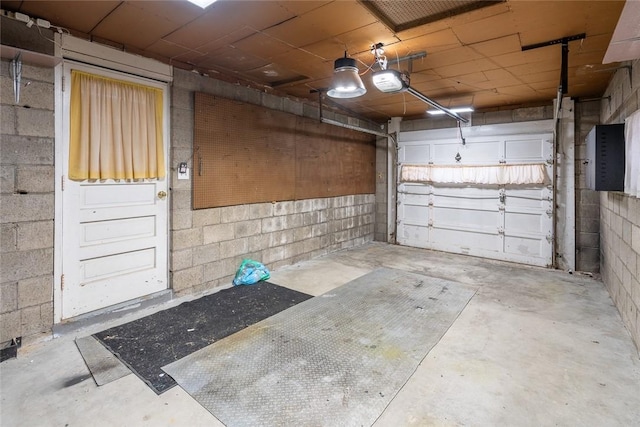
(605, 158)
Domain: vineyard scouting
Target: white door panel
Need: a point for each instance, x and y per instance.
(114, 234)
(511, 223)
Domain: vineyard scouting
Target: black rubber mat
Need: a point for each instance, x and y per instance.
(147, 344)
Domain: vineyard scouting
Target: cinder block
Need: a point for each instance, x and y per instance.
(259, 242)
(527, 114)
(26, 150)
(271, 255)
(588, 259)
(219, 270)
(7, 121)
(35, 291)
(182, 118)
(181, 220)
(234, 213)
(32, 122)
(311, 218)
(319, 229)
(181, 200)
(302, 233)
(248, 228)
(234, 247)
(10, 326)
(291, 106)
(293, 249)
(302, 206)
(35, 235)
(204, 217)
(31, 321)
(635, 238)
(218, 233)
(8, 237)
(37, 73)
(311, 245)
(260, 210)
(281, 237)
(35, 179)
(320, 204)
(283, 208)
(181, 98)
(38, 95)
(182, 281)
(183, 138)
(206, 254)
(8, 297)
(183, 239)
(588, 240)
(495, 117)
(26, 264)
(275, 223)
(181, 260)
(294, 220)
(7, 179)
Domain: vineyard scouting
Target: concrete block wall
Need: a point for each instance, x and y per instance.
(380, 234)
(208, 245)
(620, 213)
(587, 115)
(207, 254)
(26, 203)
(481, 118)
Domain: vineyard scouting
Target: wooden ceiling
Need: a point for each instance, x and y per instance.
(474, 54)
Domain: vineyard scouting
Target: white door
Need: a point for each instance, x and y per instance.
(114, 234)
(510, 223)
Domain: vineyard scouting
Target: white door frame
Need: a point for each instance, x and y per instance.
(103, 58)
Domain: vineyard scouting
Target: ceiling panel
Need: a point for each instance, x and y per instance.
(263, 45)
(474, 57)
(81, 16)
(298, 32)
(131, 24)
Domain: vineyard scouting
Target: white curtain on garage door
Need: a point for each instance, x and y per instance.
(490, 197)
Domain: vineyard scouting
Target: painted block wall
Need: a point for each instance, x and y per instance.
(26, 203)
(208, 245)
(587, 115)
(620, 213)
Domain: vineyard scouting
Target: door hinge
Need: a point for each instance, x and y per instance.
(62, 282)
(62, 180)
(63, 83)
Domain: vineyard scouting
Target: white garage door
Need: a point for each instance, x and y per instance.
(505, 222)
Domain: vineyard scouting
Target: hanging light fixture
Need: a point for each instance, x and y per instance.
(346, 82)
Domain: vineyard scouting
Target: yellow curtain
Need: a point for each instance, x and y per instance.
(115, 129)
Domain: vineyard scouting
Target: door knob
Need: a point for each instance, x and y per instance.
(162, 195)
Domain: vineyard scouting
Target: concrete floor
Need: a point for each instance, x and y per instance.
(533, 347)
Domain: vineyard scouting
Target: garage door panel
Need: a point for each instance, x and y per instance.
(416, 154)
(511, 223)
(468, 242)
(524, 149)
(488, 204)
(523, 222)
(470, 219)
(415, 236)
(522, 246)
(410, 188)
(477, 153)
(415, 214)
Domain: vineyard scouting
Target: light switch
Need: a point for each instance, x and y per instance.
(183, 173)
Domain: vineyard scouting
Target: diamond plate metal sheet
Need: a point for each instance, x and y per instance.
(103, 365)
(334, 360)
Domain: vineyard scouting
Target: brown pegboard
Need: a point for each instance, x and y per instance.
(245, 153)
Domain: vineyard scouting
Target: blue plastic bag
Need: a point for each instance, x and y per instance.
(251, 272)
